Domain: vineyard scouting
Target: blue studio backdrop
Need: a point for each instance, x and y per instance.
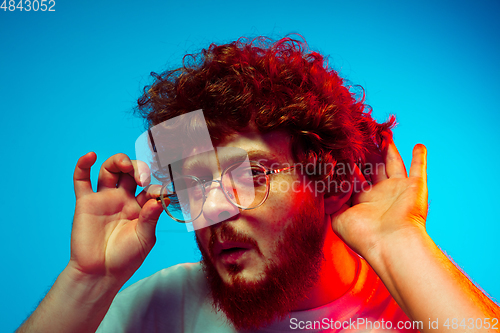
(69, 79)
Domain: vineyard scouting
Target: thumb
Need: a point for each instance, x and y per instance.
(148, 218)
(337, 220)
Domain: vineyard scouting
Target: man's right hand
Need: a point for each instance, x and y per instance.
(113, 230)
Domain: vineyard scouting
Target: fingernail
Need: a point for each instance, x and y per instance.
(143, 177)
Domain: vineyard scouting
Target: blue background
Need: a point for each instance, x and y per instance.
(69, 80)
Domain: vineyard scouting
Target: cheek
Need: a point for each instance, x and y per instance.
(278, 211)
(203, 236)
(287, 199)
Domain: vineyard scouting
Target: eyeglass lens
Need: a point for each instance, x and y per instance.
(244, 185)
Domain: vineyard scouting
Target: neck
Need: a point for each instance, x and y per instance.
(337, 273)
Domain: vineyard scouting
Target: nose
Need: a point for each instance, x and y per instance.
(217, 207)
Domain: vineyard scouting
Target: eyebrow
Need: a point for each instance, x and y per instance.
(224, 160)
(262, 155)
(192, 165)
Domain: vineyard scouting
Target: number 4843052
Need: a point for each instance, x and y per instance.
(29, 5)
(471, 323)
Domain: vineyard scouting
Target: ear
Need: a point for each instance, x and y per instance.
(334, 201)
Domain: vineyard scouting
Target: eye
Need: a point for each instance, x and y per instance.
(250, 174)
(205, 181)
(188, 188)
(257, 171)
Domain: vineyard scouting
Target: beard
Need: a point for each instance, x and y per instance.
(294, 268)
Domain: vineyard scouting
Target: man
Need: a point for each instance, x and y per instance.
(283, 259)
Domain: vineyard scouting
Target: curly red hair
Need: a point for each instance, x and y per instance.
(270, 85)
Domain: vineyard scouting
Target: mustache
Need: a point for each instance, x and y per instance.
(226, 233)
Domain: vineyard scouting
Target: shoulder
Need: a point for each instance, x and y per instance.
(165, 286)
(159, 300)
(168, 281)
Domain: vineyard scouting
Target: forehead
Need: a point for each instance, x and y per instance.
(274, 145)
(268, 148)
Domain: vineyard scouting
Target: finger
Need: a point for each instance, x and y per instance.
(374, 167)
(111, 170)
(148, 218)
(394, 165)
(150, 192)
(336, 221)
(418, 166)
(141, 176)
(127, 183)
(142, 173)
(81, 176)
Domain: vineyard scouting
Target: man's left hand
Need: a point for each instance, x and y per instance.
(394, 205)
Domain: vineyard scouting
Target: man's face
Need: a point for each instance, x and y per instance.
(261, 262)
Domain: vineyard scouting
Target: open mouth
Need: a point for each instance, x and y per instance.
(232, 250)
(232, 255)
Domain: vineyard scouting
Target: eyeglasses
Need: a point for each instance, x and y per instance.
(245, 185)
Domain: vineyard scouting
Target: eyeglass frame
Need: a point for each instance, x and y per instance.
(224, 191)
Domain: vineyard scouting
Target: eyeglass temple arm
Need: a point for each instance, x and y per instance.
(272, 172)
